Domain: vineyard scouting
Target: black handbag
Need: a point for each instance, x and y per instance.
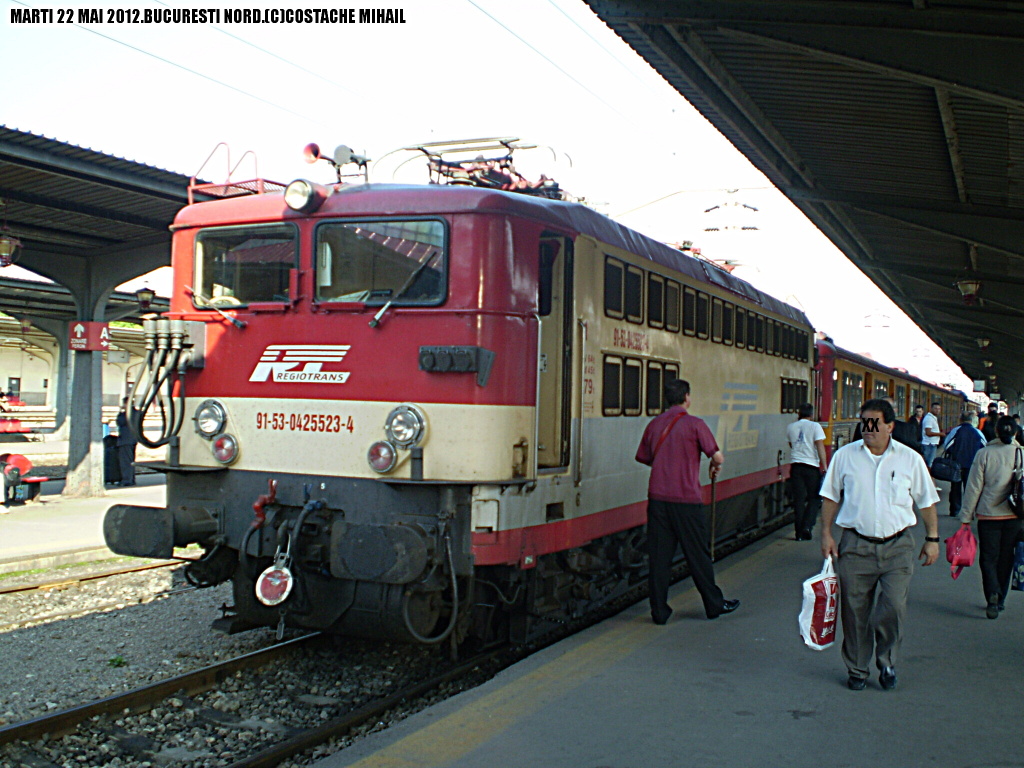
(1016, 497)
(946, 468)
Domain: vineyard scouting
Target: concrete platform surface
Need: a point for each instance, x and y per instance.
(56, 531)
(739, 692)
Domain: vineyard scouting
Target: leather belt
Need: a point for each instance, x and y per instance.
(875, 539)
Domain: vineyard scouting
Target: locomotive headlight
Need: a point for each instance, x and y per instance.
(404, 426)
(225, 448)
(210, 419)
(382, 456)
(304, 196)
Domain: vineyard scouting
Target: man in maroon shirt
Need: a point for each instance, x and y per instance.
(671, 446)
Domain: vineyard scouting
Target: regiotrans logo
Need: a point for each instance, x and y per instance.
(301, 364)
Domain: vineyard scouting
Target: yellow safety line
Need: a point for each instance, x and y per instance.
(445, 740)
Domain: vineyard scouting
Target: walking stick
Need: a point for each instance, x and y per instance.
(713, 508)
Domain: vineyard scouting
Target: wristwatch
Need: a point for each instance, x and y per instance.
(934, 539)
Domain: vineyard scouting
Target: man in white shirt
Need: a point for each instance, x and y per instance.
(930, 433)
(878, 481)
(806, 466)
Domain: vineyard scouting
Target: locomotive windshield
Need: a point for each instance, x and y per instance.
(379, 261)
(239, 265)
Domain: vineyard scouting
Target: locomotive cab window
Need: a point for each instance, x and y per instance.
(239, 265)
(374, 262)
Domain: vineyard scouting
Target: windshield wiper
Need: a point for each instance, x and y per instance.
(401, 291)
(204, 303)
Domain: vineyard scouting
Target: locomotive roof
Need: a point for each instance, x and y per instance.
(868, 362)
(401, 199)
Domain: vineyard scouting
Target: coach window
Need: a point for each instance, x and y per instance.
(761, 333)
(901, 402)
(376, 262)
(727, 321)
(777, 339)
(634, 294)
(672, 306)
(881, 388)
(611, 382)
(632, 379)
(612, 287)
(671, 371)
(716, 319)
(703, 305)
(769, 336)
(741, 327)
(655, 300)
(689, 311)
(239, 265)
(654, 388)
(751, 331)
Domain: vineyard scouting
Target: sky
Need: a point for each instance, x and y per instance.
(609, 129)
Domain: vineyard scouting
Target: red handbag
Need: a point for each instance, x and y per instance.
(960, 550)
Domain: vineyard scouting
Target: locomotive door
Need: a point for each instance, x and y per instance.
(554, 390)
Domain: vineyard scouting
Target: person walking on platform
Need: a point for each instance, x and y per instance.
(807, 465)
(125, 445)
(930, 433)
(961, 444)
(869, 491)
(906, 432)
(987, 423)
(672, 446)
(985, 498)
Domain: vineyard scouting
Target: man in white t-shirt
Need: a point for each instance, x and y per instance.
(930, 433)
(807, 465)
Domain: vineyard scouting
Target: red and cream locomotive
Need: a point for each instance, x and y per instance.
(411, 411)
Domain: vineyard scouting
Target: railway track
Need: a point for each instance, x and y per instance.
(72, 581)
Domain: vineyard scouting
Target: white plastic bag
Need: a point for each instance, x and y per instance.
(821, 608)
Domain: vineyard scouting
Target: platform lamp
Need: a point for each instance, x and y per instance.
(9, 244)
(987, 363)
(983, 342)
(969, 288)
(145, 296)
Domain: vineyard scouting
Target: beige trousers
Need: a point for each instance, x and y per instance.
(874, 581)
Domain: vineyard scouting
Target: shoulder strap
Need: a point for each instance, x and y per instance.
(664, 433)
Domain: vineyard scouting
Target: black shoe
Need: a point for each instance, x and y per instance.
(728, 606)
(661, 620)
(856, 683)
(992, 609)
(887, 678)
(808, 536)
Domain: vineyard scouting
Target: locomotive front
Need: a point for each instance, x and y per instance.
(343, 366)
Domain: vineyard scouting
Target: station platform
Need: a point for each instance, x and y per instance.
(53, 531)
(741, 691)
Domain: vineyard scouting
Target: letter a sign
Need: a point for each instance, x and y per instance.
(88, 337)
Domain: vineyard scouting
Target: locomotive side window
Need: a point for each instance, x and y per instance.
(634, 294)
(654, 388)
(375, 262)
(727, 322)
(769, 336)
(777, 339)
(655, 300)
(613, 287)
(632, 376)
(672, 306)
(611, 386)
(741, 327)
(239, 265)
(760, 333)
(716, 319)
(752, 331)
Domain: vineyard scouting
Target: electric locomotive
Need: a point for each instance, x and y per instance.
(411, 411)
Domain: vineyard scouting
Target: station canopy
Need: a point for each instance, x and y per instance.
(896, 126)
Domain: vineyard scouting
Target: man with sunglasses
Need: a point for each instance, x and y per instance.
(869, 491)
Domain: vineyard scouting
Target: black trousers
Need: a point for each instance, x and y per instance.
(669, 524)
(805, 485)
(996, 540)
(956, 491)
(125, 459)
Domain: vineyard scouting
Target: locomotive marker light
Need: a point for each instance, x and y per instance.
(210, 419)
(382, 456)
(225, 448)
(305, 196)
(405, 426)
